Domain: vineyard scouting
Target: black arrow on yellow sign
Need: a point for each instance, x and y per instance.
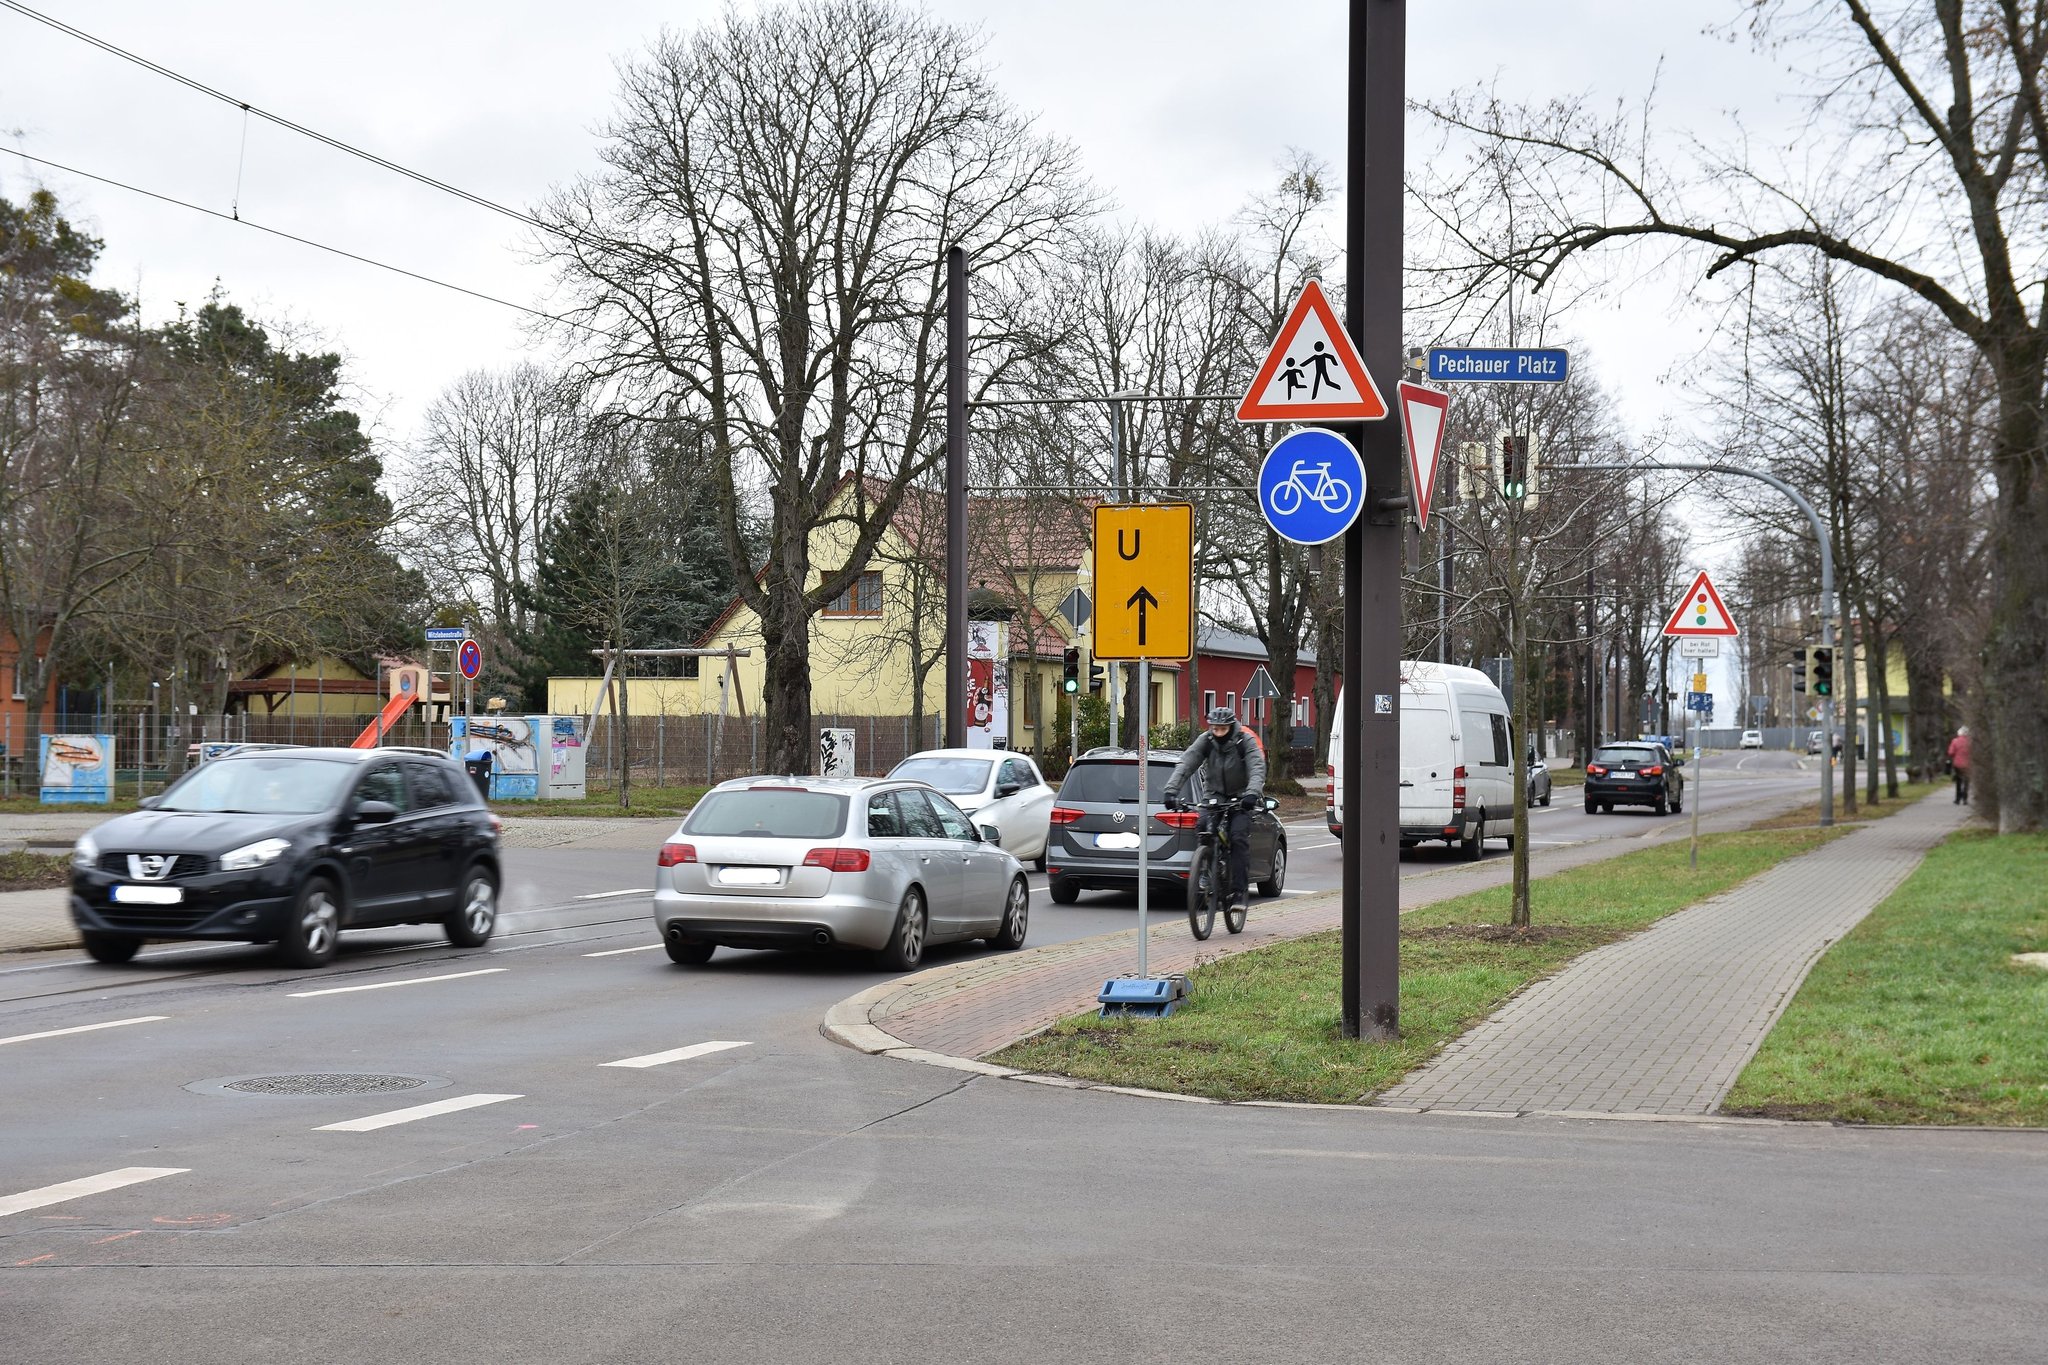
(1140, 599)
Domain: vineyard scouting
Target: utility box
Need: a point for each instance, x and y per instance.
(562, 779)
(533, 758)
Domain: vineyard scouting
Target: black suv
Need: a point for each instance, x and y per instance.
(291, 846)
(1635, 774)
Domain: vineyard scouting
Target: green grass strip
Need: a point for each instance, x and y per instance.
(1264, 1024)
(1919, 1014)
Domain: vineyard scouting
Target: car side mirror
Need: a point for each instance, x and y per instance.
(990, 835)
(1004, 789)
(148, 802)
(375, 812)
(1272, 803)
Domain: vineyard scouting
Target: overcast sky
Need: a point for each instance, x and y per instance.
(1179, 110)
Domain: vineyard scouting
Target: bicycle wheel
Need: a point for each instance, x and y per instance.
(1233, 919)
(1201, 895)
(1287, 499)
(1335, 497)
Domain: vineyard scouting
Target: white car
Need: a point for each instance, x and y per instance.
(994, 787)
(1751, 739)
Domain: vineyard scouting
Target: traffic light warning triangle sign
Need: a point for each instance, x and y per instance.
(1700, 612)
(1313, 373)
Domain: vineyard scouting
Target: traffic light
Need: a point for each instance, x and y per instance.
(1094, 677)
(1821, 673)
(1802, 664)
(1070, 671)
(1514, 467)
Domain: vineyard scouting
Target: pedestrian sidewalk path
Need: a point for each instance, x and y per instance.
(1664, 1022)
(973, 1008)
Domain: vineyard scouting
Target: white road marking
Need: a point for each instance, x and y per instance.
(82, 1028)
(78, 1189)
(636, 948)
(607, 895)
(418, 1111)
(679, 1054)
(1329, 844)
(409, 981)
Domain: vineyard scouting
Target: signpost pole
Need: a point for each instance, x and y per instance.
(1699, 758)
(956, 497)
(1144, 814)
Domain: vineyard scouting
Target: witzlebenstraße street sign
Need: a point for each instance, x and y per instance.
(1313, 373)
(447, 635)
(1312, 486)
(1144, 581)
(1491, 365)
(1700, 612)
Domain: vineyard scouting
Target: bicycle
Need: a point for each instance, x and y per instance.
(1209, 871)
(1332, 495)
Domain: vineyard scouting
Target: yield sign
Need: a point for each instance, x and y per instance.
(1313, 373)
(1423, 411)
(1700, 611)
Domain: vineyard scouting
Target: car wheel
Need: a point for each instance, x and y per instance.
(1065, 892)
(1662, 806)
(1592, 806)
(906, 943)
(1038, 863)
(1276, 883)
(1546, 797)
(688, 952)
(476, 911)
(112, 948)
(1474, 842)
(313, 930)
(1016, 918)
(1607, 808)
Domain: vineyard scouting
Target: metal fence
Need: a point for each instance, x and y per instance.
(701, 750)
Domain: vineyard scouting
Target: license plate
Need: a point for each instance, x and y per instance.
(1621, 777)
(749, 876)
(1116, 841)
(149, 895)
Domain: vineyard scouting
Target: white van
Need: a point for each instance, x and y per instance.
(1457, 784)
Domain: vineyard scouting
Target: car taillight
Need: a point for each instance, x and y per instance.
(1657, 771)
(1458, 787)
(1179, 819)
(1595, 770)
(1064, 815)
(838, 859)
(671, 854)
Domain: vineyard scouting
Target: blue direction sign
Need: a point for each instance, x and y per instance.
(1312, 486)
(1699, 701)
(446, 635)
(1489, 366)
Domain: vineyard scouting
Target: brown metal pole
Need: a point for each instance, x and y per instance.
(956, 497)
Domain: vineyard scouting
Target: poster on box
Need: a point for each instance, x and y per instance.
(515, 773)
(988, 684)
(78, 768)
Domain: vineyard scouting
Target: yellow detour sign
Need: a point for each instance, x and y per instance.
(1144, 581)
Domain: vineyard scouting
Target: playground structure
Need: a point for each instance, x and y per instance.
(408, 688)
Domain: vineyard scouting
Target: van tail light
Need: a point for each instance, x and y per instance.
(1064, 815)
(671, 854)
(1458, 787)
(838, 859)
(1595, 770)
(1179, 819)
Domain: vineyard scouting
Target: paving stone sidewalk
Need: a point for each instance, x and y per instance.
(1664, 1022)
(977, 1007)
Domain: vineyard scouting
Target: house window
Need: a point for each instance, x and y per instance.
(1230, 700)
(1208, 701)
(1030, 700)
(863, 597)
(14, 671)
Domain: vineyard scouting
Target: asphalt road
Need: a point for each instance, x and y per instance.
(779, 1198)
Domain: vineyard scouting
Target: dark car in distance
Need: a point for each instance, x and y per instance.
(1096, 826)
(291, 846)
(1634, 774)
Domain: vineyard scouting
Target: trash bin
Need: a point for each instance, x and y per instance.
(479, 766)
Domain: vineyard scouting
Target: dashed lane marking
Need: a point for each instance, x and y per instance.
(82, 1028)
(607, 895)
(636, 948)
(78, 1189)
(418, 1111)
(680, 1054)
(409, 981)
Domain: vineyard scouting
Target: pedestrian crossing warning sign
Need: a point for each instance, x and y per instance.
(1313, 373)
(1700, 612)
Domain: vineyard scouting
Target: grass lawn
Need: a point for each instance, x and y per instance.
(33, 871)
(1919, 1015)
(29, 805)
(1909, 792)
(1263, 1024)
(665, 803)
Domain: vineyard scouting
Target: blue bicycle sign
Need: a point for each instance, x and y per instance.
(1312, 486)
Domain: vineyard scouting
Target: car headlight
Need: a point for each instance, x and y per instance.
(85, 853)
(253, 855)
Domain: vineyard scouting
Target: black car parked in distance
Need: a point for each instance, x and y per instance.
(291, 846)
(1635, 773)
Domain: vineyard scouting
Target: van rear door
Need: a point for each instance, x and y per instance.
(1427, 759)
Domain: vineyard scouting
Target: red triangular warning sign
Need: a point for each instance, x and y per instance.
(1700, 612)
(1425, 412)
(1313, 373)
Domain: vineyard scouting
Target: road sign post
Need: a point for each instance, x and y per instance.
(1699, 618)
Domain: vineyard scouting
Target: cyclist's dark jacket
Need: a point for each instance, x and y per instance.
(1231, 766)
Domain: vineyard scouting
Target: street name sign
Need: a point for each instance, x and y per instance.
(1493, 365)
(1424, 414)
(1313, 373)
(1145, 580)
(1700, 611)
(447, 635)
(1699, 647)
(1312, 486)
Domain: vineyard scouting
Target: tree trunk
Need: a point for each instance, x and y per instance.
(1518, 744)
(1928, 729)
(1873, 710)
(2012, 749)
(1845, 726)
(786, 688)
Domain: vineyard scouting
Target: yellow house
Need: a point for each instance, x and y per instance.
(879, 649)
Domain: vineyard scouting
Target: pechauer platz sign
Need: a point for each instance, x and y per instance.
(1490, 365)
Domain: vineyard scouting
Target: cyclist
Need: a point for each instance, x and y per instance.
(1233, 765)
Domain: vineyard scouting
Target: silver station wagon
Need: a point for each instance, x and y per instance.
(814, 862)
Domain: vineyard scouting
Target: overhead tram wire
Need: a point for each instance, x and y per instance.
(305, 241)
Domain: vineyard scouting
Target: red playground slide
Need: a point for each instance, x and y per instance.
(373, 733)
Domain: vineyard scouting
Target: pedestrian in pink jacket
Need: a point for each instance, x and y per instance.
(1959, 760)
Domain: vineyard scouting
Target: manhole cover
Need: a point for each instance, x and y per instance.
(326, 1083)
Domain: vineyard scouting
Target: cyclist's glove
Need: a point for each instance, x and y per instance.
(1248, 801)
(1172, 800)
